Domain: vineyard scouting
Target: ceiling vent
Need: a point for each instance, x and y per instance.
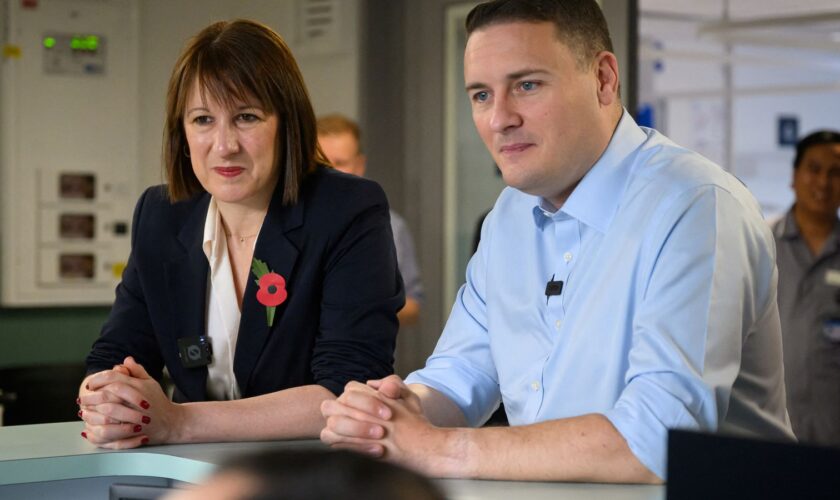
(318, 25)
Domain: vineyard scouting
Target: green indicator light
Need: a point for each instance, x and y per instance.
(85, 43)
(49, 42)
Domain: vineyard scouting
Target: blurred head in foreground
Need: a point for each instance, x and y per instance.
(310, 474)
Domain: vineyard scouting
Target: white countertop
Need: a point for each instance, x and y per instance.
(50, 452)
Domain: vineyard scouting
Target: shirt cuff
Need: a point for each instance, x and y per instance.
(476, 394)
(643, 415)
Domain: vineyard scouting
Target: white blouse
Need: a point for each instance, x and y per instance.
(223, 314)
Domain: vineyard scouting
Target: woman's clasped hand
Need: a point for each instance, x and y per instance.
(124, 408)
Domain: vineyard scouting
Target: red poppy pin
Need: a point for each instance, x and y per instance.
(272, 290)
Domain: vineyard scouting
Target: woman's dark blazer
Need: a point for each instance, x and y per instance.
(338, 323)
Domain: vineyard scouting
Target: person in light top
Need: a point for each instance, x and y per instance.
(623, 285)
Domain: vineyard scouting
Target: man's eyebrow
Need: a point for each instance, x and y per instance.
(516, 75)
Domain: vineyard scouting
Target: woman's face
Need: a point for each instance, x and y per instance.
(232, 150)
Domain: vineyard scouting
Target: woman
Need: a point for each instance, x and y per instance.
(262, 280)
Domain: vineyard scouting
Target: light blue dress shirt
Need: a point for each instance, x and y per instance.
(667, 316)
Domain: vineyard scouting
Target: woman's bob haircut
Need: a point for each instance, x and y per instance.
(237, 61)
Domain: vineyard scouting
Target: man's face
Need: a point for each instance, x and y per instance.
(537, 112)
(816, 181)
(342, 150)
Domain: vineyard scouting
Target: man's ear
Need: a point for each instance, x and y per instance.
(606, 71)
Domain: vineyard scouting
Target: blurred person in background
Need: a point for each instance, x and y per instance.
(808, 256)
(340, 140)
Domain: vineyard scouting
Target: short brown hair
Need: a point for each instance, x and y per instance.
(335, 123)
(234, 60)
(817, 138)
(579, 24)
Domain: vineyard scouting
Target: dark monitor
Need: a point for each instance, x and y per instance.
(706, 466)
(137, 492)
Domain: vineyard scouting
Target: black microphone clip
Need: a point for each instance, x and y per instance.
(553, 288)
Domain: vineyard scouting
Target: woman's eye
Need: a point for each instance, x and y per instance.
(248, 117)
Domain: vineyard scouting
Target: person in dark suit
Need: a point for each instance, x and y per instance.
(262, 280)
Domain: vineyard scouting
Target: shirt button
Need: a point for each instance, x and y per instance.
(567, 256)
(557, 325)
(535, 386)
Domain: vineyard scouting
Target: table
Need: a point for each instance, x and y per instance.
(52, 459)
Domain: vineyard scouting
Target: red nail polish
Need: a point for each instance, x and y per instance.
(138, 428)
(146, 419)
(84, 434)
(144, 404)
(80, 413)
(144, 441)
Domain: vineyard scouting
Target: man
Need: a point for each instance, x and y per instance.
(808, 248)
(623, 285)
(340, 140)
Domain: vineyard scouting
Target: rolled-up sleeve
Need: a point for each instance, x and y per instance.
(707, 287)
(462, 366)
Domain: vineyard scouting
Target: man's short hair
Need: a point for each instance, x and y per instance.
(335, 123)
(580, 24)
(814, 139)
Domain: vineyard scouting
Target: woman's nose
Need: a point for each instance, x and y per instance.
(227, 142)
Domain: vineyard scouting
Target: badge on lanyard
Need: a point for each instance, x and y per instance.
(832, 277)
(831, 330)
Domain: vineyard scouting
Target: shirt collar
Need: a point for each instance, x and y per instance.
(788, 229)
(595, 199)
(213, 234)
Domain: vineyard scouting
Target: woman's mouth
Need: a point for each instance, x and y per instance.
(228, 171)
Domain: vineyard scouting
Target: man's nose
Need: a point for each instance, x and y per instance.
(822, 178)
(504, 115)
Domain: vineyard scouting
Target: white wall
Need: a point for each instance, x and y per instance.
(687, 82)
(165, 26)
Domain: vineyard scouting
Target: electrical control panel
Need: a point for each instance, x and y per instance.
(68, 148)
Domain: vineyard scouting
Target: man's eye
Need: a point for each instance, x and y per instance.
(480, 96)
(527, 86)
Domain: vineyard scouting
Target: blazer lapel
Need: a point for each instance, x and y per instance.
(279, 252)
(186, 280)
